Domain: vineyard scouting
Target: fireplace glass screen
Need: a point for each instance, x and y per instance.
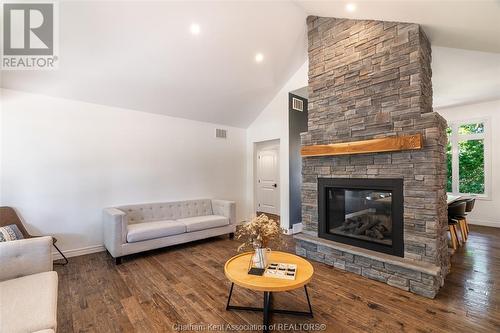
(359, 213)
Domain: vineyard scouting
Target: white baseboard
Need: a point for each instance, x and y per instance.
(484, 222)
(79, 252)
(296, 228)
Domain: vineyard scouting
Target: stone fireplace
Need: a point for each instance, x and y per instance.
(380, 214)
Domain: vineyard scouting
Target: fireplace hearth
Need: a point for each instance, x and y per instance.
(367, 213)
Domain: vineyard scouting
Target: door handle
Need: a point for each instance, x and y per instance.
(275, 185)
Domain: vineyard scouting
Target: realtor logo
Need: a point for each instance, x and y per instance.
(29, 36)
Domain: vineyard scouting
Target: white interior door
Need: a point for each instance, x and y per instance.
(268, 189)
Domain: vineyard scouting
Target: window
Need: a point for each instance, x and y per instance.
(467, 157)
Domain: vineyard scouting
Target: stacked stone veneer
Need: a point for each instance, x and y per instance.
(372, 79)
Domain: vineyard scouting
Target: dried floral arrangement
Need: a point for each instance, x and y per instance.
(261, 232)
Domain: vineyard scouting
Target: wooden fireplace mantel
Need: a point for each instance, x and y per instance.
(394, 143)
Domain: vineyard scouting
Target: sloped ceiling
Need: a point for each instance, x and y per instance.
(464, 36)
(463, 24)
(462, 77)
(141, 55)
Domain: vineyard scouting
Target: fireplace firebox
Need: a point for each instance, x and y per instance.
(363, 212)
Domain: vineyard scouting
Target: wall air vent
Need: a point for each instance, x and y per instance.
(297, 104)
(220, 133)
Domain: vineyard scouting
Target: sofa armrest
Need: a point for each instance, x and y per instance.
(225, 208)
(115, 230)
(25, 257)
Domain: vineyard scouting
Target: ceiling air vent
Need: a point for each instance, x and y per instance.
(297, 104)
(220, 133)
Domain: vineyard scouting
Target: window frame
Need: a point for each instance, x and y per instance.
(455, 138)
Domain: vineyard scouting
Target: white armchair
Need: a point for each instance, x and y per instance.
(28, 286)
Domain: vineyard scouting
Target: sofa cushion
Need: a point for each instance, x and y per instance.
(149, 230)
(167, 211)
(29, 303)
(204, 222)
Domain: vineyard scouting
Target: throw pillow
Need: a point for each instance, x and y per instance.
(10, 232)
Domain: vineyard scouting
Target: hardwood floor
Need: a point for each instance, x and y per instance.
(160, 290)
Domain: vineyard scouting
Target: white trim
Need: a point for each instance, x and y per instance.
(486, 223)
(455, 138)
(295, 229)
(454, 159)
(79, 252)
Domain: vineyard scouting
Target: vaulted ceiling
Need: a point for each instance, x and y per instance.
(463, 24)
(141, 55)
(464, 77)
(464, 36)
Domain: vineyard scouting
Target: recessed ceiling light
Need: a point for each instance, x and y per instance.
(350, 7)
(259, 57)
(195, 29)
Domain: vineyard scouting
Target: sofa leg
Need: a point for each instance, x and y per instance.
(231, 235)
(118, 260)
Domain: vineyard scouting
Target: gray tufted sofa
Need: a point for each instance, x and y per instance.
(136, 228)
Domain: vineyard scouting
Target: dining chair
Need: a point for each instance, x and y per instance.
(456, 212)
(469, 206)
(462, 220)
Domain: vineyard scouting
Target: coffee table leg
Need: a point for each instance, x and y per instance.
(267, 309)
(308, 302)
(229, 297)
(267, 301)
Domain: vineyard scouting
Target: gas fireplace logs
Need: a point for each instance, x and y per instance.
(373, 226)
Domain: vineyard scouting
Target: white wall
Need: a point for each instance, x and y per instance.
(272, 123)
(63, 161)
(485, 211)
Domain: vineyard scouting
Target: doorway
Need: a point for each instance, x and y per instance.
(267, 178)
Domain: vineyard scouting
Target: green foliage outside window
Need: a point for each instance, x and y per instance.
(471, 166)
(471, 129)
(470, 160)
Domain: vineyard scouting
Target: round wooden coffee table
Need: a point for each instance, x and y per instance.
(236, 270)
